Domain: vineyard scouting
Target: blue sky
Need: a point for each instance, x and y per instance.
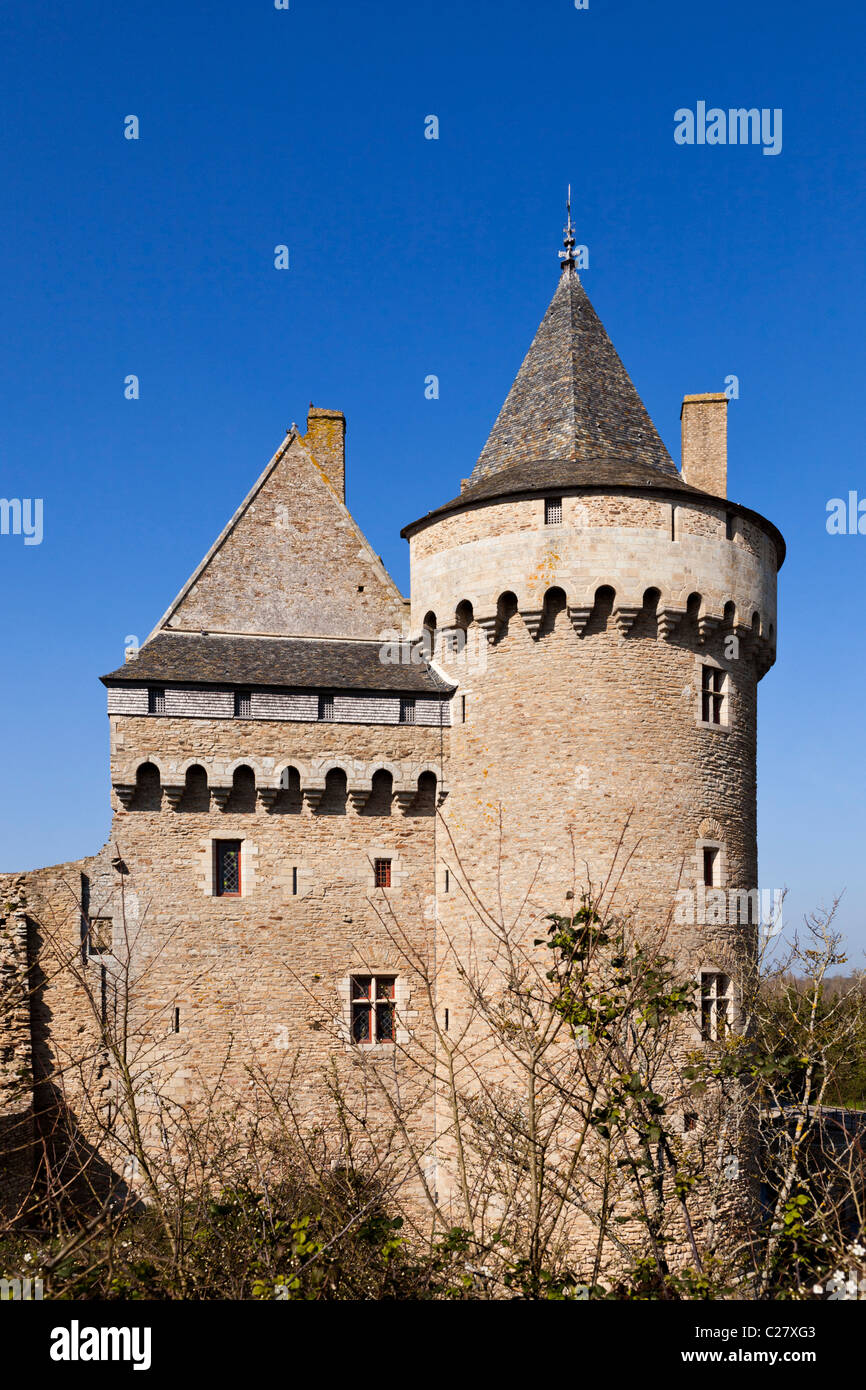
(411, 257)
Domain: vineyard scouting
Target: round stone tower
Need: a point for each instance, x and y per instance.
(606, 619)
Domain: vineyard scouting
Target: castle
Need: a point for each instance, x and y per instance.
(319, 788)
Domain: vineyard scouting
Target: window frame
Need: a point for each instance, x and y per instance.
(156, 699)
(408, 709)
(717, 690)
(714, 695)
(711, 856)
(383, 873)
(220, 848)
(711, 996)
(327, 708)
(553, 511)
(243, 697)
(369, 1004)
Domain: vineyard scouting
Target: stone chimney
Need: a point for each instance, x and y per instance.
(705, 442)
(326, 441)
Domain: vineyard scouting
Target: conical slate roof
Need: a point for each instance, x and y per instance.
(572, 400)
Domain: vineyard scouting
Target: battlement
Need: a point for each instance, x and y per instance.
(319, 785)
(663, 558)
(691, 622)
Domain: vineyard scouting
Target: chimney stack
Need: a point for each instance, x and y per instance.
(326, 441)
(705, 442)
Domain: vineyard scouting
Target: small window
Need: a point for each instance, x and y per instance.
(99, 936)
(295, 881)
(711, 868)
(690, 1121)
(407, 710)
(462, 709)
(326, 708)
(716, 1005)
(447, 880)
(243, 704)
(712, 694)
(156, 700)
(373, 1003)
(553, 511)
(383, 873)
(227, 868)
(175, 1023)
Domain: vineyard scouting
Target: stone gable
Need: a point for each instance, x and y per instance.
(292, 562)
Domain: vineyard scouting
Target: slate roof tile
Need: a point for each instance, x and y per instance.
(297, 663)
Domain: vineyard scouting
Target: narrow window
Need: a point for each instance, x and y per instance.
(673, 521)
(383, 873)
(407, 710)
(690, 1120)
(155, 700)
(243, 704)
(361, 1011)
(295, 881)
(447, 880)
(446, 1020)
(385, 987)
(227, 868)
(553, 511)
(326, 708)
(176, 1021)
(711, 868)
(712, 694)
(462, 709)
(373, 1004)
(716, 1005)
(729, 526)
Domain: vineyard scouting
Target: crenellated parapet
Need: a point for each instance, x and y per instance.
(318, 785)
(689, 623)
(674, 561)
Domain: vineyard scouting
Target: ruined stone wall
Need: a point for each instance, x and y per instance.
(16, 1062)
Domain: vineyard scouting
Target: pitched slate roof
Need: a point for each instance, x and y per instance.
(284, 662)
(291, 562)
(573, 420)
(572, 398)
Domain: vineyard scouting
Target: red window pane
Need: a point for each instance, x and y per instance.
(383, 873)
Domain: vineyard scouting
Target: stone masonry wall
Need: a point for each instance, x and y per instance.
(16, 1061)
(625, 542)
(584, 732)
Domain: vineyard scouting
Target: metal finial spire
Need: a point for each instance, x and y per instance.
(567, 256)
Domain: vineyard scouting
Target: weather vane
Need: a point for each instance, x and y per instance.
(567, 256)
